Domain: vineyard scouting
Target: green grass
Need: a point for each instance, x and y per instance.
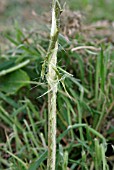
(94, 10)
(84, 128)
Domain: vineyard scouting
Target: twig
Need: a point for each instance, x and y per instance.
(50, 62)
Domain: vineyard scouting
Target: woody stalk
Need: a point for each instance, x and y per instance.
(50, 63)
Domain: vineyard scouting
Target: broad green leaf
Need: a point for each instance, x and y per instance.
(12, 82)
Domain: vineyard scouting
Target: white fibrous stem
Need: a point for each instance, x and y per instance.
(52, 85)
(53, 27)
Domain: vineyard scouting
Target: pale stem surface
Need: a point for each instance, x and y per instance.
(52, 84)
(52, 112)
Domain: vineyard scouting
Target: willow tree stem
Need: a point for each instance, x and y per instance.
(50, 62)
